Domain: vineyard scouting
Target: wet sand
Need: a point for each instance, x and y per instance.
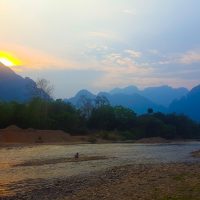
(59, 160)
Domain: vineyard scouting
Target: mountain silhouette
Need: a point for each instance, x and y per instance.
(182, 101)
(162, 95)
(188, 105)
(14, 87)
(127, 90)
(135, 102)
(79, 96)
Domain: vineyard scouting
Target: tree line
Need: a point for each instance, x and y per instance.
(96, 117)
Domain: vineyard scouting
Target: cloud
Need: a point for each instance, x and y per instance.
(129, 12)
(141, 78)
(115, 77)
(153, 51)
(120, 69)
(110, 56)
(180, 59)
(97, 47)
(190, 57)
(34, 59)
(94, 50)
(123, 68)
(116, 66)
(133, 54)
(103, 35)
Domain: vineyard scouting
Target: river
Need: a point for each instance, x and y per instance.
(117, 155)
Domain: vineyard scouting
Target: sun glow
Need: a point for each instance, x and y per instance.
(9, 60)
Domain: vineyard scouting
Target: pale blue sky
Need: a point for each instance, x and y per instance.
(101, 44)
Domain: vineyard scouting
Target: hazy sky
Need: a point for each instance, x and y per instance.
(101, 44)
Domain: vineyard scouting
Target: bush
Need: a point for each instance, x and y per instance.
(110, 135)
(92, 139)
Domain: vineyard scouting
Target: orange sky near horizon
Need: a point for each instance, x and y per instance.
(22, 58)
(102, 44)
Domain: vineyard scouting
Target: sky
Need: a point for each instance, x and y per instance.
(103, 44)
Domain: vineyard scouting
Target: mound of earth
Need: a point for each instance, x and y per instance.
(152, 140)
(14, 134)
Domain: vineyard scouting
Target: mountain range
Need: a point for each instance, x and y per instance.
(162, 95)
(16, 88)
(188, 104)
(133, 101)
(163, 98)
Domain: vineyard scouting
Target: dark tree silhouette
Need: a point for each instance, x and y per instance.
(150, 111)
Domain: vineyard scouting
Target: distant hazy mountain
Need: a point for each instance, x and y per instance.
(79, 96)
(189, 104)
(126, 90)
(158, 98)
(162, 95)
(135, 102)
(13, 87)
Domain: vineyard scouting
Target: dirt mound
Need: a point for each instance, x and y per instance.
(152, 140)
(12, 128)
(14, 134)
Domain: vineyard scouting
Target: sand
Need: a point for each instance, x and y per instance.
(14, 135)
(196, 154)
(134, 182)
(59, 160)
(145, 182)
(152, 140)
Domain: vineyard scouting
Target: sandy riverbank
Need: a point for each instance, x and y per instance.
(103, 171)
(132, 182)
(14, 135)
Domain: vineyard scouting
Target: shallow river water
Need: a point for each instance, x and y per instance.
(117, 154)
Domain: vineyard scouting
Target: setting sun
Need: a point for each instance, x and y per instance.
(8, 59)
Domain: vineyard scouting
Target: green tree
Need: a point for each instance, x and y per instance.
(125, 118)
(102, 118)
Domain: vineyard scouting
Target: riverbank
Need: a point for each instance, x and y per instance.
(102, 171)
(131, 182)
(13, 136)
